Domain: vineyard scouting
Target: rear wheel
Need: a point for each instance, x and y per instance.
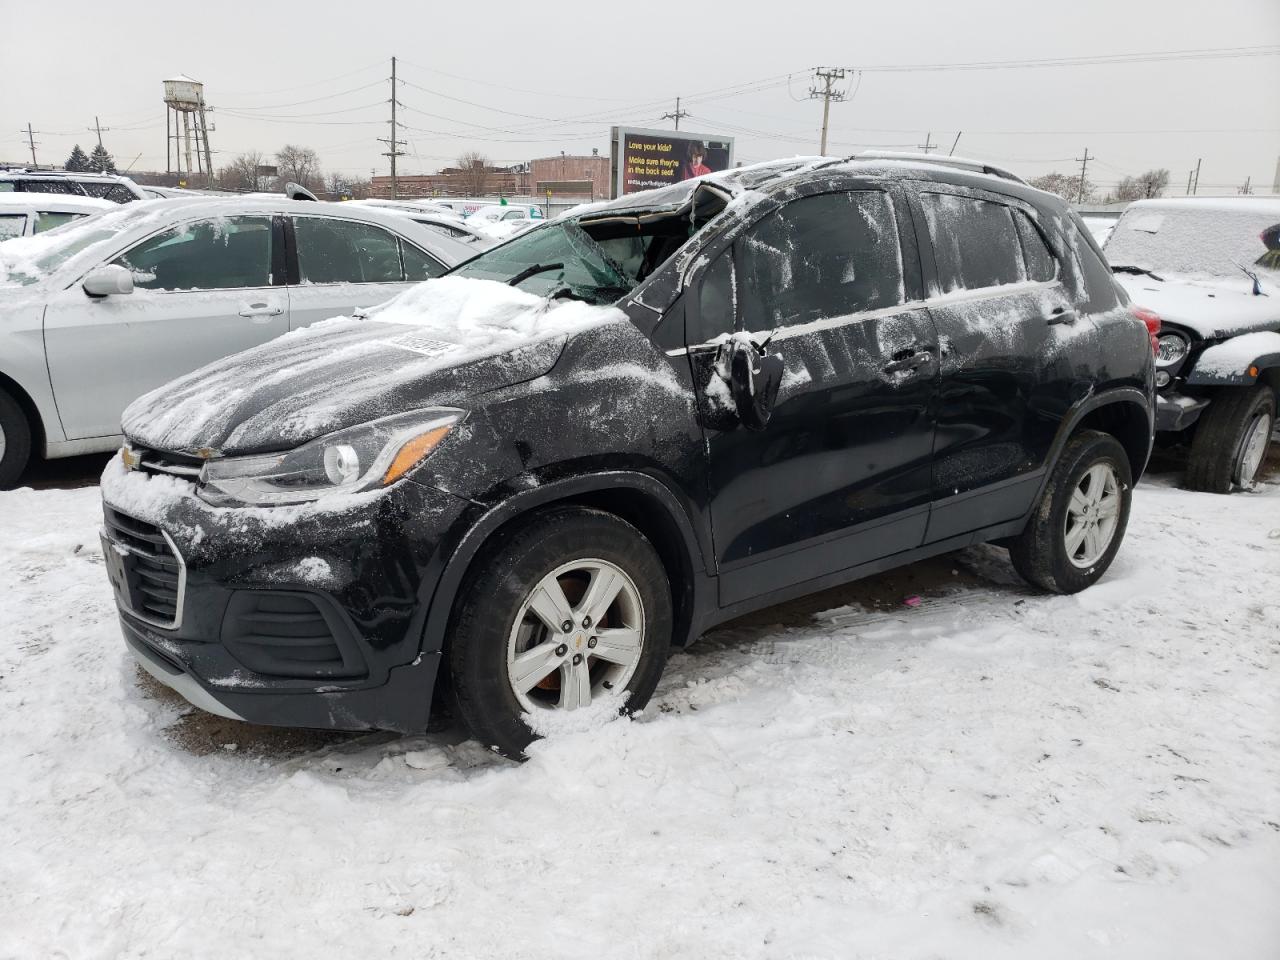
(1076, 529)
(1231, 440)
(573, 609)
(15, 441)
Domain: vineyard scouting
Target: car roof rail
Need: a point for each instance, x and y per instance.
(957, 163)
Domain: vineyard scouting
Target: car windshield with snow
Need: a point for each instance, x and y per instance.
(1210, 268)
(521, 484)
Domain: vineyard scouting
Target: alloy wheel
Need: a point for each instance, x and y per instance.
(578, 636)
(1092, 515)
(1252, 449)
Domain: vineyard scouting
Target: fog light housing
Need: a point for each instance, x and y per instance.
(1162, 378)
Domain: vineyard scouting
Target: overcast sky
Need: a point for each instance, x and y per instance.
(541, 78)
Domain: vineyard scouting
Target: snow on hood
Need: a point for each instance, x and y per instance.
(1211, 308)
(438, 343)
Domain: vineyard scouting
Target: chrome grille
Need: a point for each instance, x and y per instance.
(147, 571)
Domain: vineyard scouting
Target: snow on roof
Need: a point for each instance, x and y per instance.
(1239, 204)
(55, 202)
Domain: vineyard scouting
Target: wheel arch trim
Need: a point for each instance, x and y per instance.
(444, 591)
(1132, 398)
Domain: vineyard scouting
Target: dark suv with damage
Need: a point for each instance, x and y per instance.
(521, 484)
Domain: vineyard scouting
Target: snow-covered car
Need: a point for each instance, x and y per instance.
(535, 475)
(1211, 269)
(105, 186)
(504, 212)
(440, 219)
(95, 315)
(26, 214)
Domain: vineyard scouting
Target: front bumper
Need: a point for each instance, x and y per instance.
(1174, 412)
(305, 616)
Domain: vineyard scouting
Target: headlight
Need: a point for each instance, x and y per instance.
(1170, 349)
(364, 457)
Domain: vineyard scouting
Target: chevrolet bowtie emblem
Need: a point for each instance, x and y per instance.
(132, 459)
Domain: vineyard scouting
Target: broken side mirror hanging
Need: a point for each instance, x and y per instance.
(754, 378)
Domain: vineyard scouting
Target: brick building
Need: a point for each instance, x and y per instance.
(509, 181)
(585, 178)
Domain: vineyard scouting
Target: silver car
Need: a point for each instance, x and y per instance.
(95, 315)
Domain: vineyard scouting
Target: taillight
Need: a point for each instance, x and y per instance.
(1152, 321)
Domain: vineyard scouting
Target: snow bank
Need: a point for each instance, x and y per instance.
(992, 775)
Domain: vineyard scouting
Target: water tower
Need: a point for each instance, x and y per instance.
(184, 121)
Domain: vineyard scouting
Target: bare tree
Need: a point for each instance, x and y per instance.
(300, 165)
(1144, 186)
(1064, 185)
(241, 174)
(474, 170)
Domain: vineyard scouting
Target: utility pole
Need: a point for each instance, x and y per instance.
(98, 128)
(1196, 186)
(31, 143)
(1245, 189)
(1084, 165)
(928, 143)
(1190, 174)
(393, 145)
(828, 76)
(677, 115)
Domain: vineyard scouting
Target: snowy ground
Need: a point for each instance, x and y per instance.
(991, 774)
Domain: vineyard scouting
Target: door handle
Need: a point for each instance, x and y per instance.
(1061, 315)
(913, 362)
(260, 310)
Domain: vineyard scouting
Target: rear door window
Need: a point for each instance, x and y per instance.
(47, 220)
(223, 254)
(50, 186)
(344, 251)
(975, 242)
(822, 256)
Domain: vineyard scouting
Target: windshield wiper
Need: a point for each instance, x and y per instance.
(1128, 268)
(532, 271)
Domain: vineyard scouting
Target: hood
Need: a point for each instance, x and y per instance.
(438, 344)
(1211, 308)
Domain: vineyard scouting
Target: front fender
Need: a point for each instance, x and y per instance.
(1237, 362)
(438, 600)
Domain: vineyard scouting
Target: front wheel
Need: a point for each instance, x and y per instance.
(1231, 440)
(1076, 529)
(573, 609)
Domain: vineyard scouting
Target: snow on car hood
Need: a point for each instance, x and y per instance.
(1212, 308)
(438, 343)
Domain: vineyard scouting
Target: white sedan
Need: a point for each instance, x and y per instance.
(95, 315)
(26, 214)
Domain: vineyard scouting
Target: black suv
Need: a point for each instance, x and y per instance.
(622, 427)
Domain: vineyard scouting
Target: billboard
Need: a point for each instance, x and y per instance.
(645, 159)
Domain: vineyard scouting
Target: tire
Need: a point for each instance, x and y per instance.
(15, 441)
(1221, 445)
(494, 622)
(1049, 555)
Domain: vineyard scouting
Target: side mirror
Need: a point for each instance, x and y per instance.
(108, 279)
(754, 379)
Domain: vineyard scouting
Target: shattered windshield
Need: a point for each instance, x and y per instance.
(560, 258)
(1209, 241)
